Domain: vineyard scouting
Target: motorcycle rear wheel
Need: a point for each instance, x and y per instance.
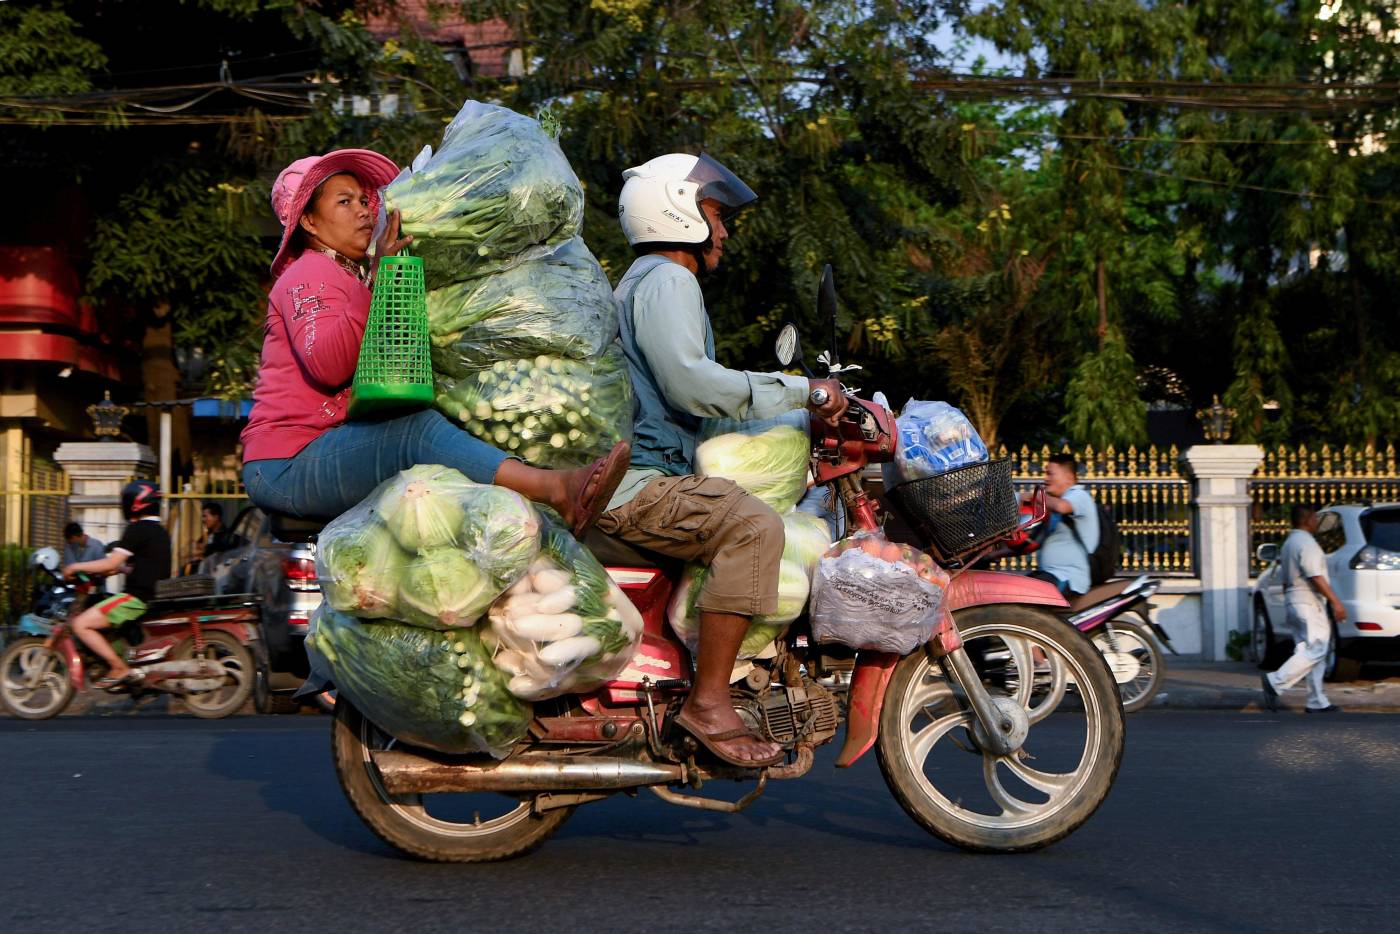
(924, 716)
(239, 671)
(1140, 675)
(26, 659)
(404, 821)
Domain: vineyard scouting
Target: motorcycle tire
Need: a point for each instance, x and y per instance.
(1136, 689)
(917, 688)
(237, 663)
(16, 662)
(403, 822)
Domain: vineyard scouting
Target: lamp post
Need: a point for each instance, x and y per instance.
(107, 417)
(1216, 421)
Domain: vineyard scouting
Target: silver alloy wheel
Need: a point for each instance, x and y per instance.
(1132, 661)
(411, 807)
(34, 680)
(932, 696)
(1259, 636)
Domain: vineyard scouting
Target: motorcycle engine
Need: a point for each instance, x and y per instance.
(784, 713)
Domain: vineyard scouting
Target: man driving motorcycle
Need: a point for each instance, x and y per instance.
(672, 211)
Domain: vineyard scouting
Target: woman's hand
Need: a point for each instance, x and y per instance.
(389, 243)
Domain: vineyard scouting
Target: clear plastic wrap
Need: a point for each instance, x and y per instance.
(549, 411)
(870, 593)
(565, 627)
(427, 547)
(498, 191)
(433, 689)
(934, 438)
(560, 305)
(769, 458)
(805, 539)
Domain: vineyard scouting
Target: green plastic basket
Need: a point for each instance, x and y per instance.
(394, 371)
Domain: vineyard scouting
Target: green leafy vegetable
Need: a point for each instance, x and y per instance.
(359, 568)
(420, 510)
(768, 458)
(440, 587)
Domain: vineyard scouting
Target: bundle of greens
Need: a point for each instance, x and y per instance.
(432, 689)
(550, 411)
(498, 191)
(560, 305)
(427, 547)
(806, 539)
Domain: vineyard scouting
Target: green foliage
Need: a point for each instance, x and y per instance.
(1102, 399)
(43, 54)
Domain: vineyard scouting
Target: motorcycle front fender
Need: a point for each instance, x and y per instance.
(63, 643)
(874, 669)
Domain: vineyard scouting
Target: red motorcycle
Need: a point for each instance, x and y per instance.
(950, 723)
(196, 648)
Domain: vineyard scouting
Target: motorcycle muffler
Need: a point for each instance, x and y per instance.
(407, 773)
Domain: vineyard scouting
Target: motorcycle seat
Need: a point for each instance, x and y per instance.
(1099, 594)
(293, 529)
(616, 553)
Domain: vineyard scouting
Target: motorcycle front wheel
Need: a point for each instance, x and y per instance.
(34, 681)
(959, 789)
(447, 828)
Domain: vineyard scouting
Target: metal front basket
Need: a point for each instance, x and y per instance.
(961, 510)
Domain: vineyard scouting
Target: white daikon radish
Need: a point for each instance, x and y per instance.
(541, 628)
(527, 688)
(527, 605)
(520, 587)
(509, 660)
(549, 581)
(561, 601)
(541, 564)
(568, 652)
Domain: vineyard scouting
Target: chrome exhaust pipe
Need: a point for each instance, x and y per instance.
(407, 773)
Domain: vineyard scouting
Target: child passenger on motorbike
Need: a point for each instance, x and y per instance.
(672, 212)
(300, 455)
(144, 552)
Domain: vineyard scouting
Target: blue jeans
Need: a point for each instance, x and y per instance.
(342, 466)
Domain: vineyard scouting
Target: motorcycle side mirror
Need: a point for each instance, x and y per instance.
(826, 309)
(788, 346)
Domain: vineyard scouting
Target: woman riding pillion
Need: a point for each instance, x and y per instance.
(672, 211)
(301, 457)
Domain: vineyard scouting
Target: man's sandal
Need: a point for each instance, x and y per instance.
(708, 740)
(108, 683)
(607, 472)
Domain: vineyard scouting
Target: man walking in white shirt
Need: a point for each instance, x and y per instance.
(1305, 587)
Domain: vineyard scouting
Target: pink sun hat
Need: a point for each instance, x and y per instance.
(295, 184)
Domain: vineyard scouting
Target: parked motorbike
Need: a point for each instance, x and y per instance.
(198, 649)
(950, 723)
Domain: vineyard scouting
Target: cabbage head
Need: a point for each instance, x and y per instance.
(423, 508)
(501, 530)
(441, 588)
(359, 566)
(769, 460)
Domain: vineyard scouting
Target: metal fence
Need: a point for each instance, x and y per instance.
(33, 511)
(1144, 490)
(1319, 476)
(184, 505)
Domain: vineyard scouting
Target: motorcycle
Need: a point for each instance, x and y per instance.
(950, 723)
(199, 649)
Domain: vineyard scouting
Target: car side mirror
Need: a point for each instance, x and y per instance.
(1266, 553)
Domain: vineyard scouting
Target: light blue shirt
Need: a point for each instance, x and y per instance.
(1060, 554)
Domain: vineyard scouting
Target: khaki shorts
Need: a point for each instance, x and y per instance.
(713, 522)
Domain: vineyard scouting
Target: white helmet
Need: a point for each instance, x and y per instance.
(660, 201)
(46, 558)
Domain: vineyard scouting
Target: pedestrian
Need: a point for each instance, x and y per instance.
(1305, 586)
(79, 545)
(1072, 531)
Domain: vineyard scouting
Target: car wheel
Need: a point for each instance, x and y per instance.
(1268, 653)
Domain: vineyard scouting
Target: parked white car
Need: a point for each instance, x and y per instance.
(1362, 545)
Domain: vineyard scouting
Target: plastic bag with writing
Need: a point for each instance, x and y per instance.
(934, 438)
(560, 305)
(427, 547)
(769, 457)
(433, 689)
(549, 411)
(565, 627)
(498, 190)
(870, 593)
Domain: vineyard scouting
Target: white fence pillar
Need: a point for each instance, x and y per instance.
(1221, 475)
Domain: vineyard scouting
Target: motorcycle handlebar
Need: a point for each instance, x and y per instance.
(819, 397)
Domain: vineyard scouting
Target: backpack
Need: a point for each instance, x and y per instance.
(1103, 560)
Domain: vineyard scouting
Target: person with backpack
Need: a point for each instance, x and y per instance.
(1072, 530)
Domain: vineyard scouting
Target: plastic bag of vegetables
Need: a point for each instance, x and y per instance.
(427, 547)
(560, 305)
(498, 190)
(768, 457)
(550, 411)
(565, 626)
(433, 689)
(870, 593)
(806, 539)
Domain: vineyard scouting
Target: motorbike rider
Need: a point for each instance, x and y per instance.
(672, 211)
(1072, 533)
(143, 553)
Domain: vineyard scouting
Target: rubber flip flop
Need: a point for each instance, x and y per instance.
(130, 679)
(608, 473)
(709, 739)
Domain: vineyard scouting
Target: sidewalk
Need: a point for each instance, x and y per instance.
(1197, 685)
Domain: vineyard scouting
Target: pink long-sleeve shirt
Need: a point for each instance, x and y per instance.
(316, 316)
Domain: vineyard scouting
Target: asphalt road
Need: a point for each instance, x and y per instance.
(1219, 821)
